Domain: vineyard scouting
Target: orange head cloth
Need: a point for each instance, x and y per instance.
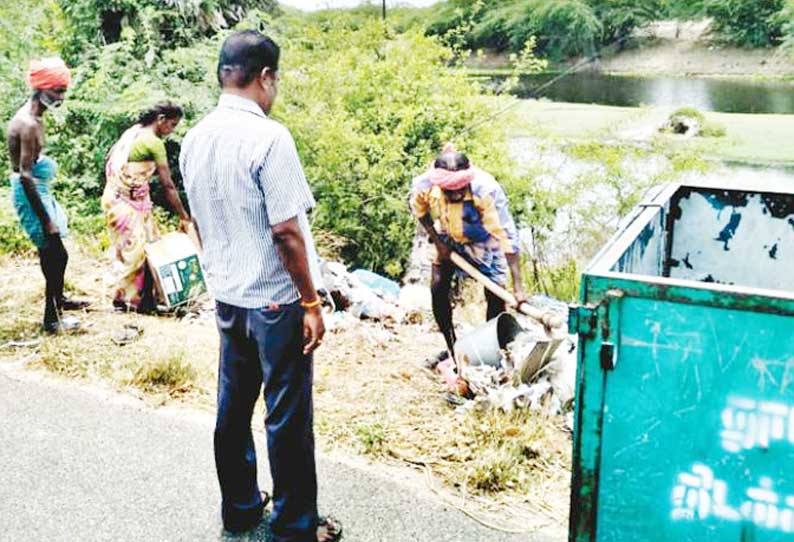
(49, 74)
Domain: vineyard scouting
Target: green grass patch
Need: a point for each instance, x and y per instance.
(372, 437)
(504, 451)
(567, 120)
(170, 374)
(690, 112)
(765, 139)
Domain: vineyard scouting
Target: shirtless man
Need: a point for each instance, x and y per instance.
(40, 215)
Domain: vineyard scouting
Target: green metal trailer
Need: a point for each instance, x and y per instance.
(684, 425)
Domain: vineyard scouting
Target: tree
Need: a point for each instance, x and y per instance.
(563, 28)
(749, 23)
(684, 9)
(621, 17)
(172, 23)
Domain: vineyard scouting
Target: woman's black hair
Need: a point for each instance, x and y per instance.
(452, 161)
(169, 110)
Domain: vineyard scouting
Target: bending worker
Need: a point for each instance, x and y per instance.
(131, 164)
(471, 212)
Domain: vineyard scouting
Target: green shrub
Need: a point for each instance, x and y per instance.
(713, 129)
(372, 437)
(684, 9)
(563, 28)
(785, 18)
(13, 240)
(368, 111)
(690, 112)
(90, 24)
(620, 17)
(749, 23)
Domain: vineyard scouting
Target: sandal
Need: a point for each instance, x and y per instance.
(329, 530)
(70, 324)
(71, 304)
(431, 363)
(127, 334)
(237, 527)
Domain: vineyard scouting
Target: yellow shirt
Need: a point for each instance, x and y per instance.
(481, 216)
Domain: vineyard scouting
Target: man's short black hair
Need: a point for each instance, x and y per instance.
(244, 55)
(452, 161)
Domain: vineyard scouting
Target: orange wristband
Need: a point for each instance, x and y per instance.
(312, 304)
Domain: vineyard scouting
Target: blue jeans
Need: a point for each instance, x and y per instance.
(266, 346)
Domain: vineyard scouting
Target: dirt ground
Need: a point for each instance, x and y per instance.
(373, 400)
(672, 48)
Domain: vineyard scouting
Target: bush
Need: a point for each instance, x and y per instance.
(369, 110)
(13, 240)
(620, 17)
(747, 23)
(563, 28)
(785, 18)
(90, 24)
(707, 128)
(690, 112)
(683, 9)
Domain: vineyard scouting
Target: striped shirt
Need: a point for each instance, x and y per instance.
(243, 175)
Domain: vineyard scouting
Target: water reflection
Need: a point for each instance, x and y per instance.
(708, 94)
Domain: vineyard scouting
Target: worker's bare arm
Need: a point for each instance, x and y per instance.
(29, 150)
(441, 247)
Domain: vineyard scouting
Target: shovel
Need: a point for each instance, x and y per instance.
(547, 319)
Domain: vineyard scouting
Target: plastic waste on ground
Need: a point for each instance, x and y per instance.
(535, 371)
(380, 284)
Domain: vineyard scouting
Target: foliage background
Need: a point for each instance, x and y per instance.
(568, 28)
(368, 106)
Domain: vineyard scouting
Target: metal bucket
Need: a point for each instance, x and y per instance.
(483, 345)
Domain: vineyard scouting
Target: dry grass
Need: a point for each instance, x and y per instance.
(170, 358)
(372, 398)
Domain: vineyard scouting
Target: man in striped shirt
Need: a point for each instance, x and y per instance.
(249, 198)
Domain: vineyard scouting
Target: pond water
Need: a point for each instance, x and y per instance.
(707, 94)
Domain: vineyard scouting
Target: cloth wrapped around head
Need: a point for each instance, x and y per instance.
(49, 74)
(451, 170)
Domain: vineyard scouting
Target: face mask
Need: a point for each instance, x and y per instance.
(48, 102)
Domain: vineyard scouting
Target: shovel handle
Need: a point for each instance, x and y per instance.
(547, 319)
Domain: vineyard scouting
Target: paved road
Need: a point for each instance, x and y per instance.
(79, 464)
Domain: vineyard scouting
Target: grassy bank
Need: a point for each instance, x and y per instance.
(763, 139)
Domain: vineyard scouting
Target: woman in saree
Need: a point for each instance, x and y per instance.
(131, 164)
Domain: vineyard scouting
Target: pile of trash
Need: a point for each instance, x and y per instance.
(535, 370)
(364, 295)
(349, 297)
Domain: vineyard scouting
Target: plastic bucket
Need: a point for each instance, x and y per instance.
(483, 345)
